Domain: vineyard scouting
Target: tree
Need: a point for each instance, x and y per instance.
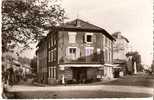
(25, 21)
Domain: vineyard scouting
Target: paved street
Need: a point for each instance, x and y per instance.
(129, 86)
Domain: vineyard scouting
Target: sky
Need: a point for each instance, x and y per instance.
(133, 18)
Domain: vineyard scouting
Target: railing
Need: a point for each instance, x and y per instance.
(94, 58)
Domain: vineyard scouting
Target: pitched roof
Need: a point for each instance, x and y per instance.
(115, 35)
(78, 23)
(81, 25)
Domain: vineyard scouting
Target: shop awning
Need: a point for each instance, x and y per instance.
(81, 65)
(112, 65)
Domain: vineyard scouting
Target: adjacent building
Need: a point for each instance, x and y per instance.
(19, 65)
(75, 51)
(120, 49)
(134, 62)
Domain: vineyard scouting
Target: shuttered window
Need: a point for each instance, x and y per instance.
(72, 53)
(88, 37)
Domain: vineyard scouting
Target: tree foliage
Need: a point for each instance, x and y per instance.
(25, 21)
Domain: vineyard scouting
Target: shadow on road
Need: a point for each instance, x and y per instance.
(77, 94)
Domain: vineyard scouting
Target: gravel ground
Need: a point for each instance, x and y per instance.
(135, 86)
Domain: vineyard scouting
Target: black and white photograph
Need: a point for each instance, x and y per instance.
(77, 49)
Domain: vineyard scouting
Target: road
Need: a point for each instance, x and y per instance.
(140, 85)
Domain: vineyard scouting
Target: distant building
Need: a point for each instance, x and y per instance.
(120, 46)
(75, 51)
(10, 59)
(134, 62)
(120, 49)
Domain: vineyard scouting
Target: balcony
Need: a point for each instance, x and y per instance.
(94, 58)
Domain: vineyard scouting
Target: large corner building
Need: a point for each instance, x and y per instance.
(76, 50)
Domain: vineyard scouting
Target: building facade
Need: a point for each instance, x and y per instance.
(75, 51)
(120, 46)
(120, 49)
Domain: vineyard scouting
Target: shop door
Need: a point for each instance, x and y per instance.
(80, 74)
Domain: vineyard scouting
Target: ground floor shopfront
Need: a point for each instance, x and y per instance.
(81, 73)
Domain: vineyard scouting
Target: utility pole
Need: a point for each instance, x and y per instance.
(153, 40)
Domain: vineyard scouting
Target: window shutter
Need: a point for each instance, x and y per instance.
(67, 52)
(78, 53)
(94, 38)
(83, 38)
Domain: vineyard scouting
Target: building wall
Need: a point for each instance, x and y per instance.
(120, 48)
(52, 53)
(98, 43)
(42, 62)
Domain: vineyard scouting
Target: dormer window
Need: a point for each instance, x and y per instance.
(88, 37)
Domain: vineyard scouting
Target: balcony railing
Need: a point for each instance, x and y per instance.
(94, 58)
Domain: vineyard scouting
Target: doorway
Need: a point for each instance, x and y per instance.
(80, 74)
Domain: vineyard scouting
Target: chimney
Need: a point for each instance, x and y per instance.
(78, 23)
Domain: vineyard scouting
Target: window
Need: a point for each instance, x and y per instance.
(72, 50)
(49, 43)
(110, 44)
(88, 37)
(89, 51)
(51, 54)
(106, 56)
(52, 72)
(72, 37)
(54, 55)
(110, 56)
(72, 53)
(106, 41)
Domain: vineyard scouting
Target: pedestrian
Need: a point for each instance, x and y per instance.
(63, 79)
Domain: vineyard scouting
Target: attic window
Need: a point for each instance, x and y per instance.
(88, 37)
